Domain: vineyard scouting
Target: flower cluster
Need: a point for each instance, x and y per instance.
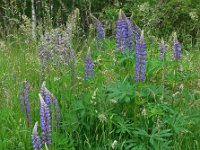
(89, 71)
(45, 121)
(137, 36)
(131, 29)
(121, 32)
(140, 65)
(50, 99)
(177, 48)
(100, 33)
(24, 100)
(124, 33)
(45, 93)
(36, 139)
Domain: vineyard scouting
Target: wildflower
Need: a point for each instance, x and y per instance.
(100, 33)
(35, 138)
(24, 98)
(121, 32)
(102, 118)
(45, 52)
(162, 49)
(45, 121)
(50, 99)
(46, 95)
(89, 71)
(138, 35)
(124, 33)
(131, 28)
(137, 38)
(140, 65)
(177, 48)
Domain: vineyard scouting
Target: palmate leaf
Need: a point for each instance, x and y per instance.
(159, 139)
(156, 139)
(178, 122)
(121, 91)
(124, 127)
(134, 144)
(159, 135)
(151, 90)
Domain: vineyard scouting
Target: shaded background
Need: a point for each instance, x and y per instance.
(158, 17)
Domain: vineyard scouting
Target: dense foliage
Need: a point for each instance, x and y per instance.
(159, 18)
(100, 77)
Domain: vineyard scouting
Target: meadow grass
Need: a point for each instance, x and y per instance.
(161, 113)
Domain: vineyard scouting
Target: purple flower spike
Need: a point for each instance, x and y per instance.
(140, 65)
(177, 48)
(36, 139)
(162, 49)
(89, 71)
(138, 35)
(100, 33)
(124, 33)
(121, 32)
(131, 29)
(46, 95)
(45, 121)
(51, 100)
(24, 93)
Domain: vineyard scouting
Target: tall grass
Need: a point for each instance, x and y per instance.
(110, 110)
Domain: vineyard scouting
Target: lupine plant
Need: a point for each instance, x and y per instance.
(100, 33)
(45, 121)
(51, 101)
(131, 30)
(138, 35)
(89, 70)
(55, 48)
(124, 33)
(114, 110)
(177, 48)
(36, 138)
(121, 32)
(46, 95)
(140, 64)
(24, 100)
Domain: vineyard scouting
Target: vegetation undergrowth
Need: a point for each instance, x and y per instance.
(96, 100)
